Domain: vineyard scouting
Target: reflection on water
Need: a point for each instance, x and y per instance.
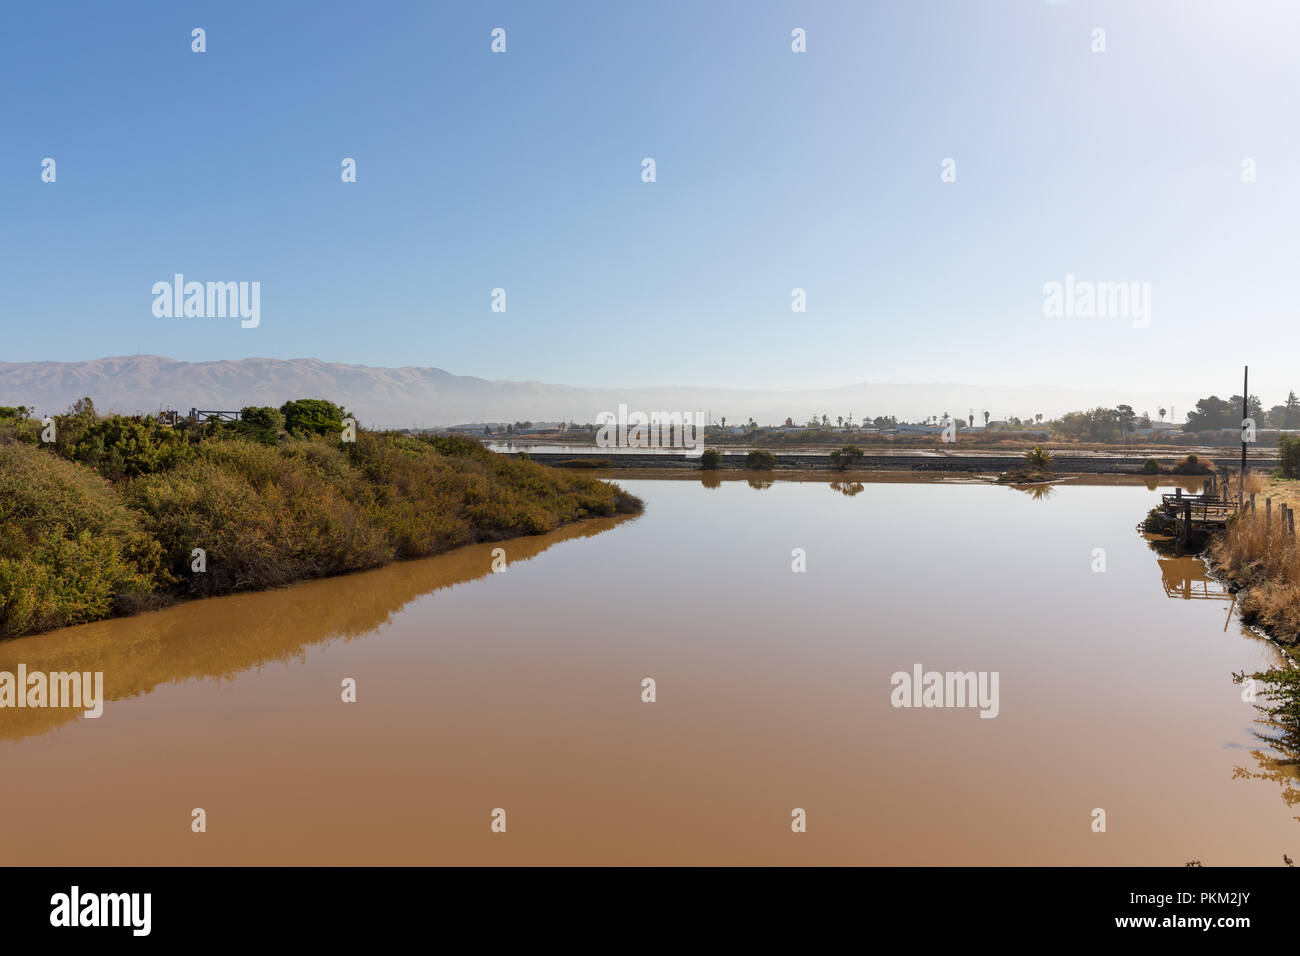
(1283, 771)
(1038, 492)
(1278, 727)
(713, 479)
(1188, 578)
(219, 637)
(847, 488)
(510, 447)
(522, 691)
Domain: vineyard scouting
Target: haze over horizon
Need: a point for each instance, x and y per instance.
(776, 171)
(406, 396)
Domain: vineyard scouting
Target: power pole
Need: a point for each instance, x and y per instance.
(1245, 398)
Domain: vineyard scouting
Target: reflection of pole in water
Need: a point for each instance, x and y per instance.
(1245, 411)
(1231, 607)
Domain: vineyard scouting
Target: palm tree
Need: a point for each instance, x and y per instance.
(986, 418)
(1039, 458)
(1162, 414)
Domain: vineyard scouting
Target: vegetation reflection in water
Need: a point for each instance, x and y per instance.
(220, 637)
(1276, 691)
(1278, 726)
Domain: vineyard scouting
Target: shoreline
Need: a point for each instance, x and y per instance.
(1261, 629)
(1250, 567)
(887, 476)
(87, 537)
(919, 463)
(170, 600)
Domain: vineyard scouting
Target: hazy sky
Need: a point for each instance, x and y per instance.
(775, 170)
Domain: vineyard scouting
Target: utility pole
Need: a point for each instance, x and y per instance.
(1245, 399)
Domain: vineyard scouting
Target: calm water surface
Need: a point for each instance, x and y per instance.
(522, 691)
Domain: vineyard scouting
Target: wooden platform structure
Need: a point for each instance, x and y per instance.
(207, 414)
(1209, 511)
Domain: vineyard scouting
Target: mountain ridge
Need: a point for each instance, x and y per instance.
(426, 396)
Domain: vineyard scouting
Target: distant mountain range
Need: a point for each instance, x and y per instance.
(426, 397)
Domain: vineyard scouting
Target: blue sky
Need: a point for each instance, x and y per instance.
(775, 170)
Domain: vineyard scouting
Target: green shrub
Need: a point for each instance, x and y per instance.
(74, 547)
(458, 446)
(265, 518)
(70, 551)
(18, 427)
(711, 459)
(1191, 465)
(1289, 457)
(1151, 466)
(312, 416)
(760, 460)
(70, 426)
(1156, 522)
(846, 457)
(261, 423)
(121, 447)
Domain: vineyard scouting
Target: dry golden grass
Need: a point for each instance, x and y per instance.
(1264, 558)
(1281, 490)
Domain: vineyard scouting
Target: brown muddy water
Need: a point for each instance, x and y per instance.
(523, 691)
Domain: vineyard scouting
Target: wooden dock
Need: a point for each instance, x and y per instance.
(1208, 511)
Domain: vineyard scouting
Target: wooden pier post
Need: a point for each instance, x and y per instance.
(1252, 504)
(1268, 514)
(1187, 522)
